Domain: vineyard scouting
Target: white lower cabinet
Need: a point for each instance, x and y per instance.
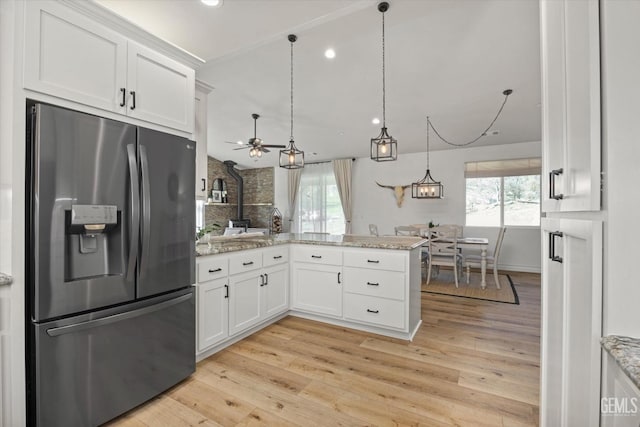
(378, 311)
(245, 301)
(317, 288)
(275, 292)
(620, 402)
(571, 322)
(213, 320)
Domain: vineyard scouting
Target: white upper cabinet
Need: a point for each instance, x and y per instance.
(161, 90)
(70, 56)
(570, 43)
(200, 133)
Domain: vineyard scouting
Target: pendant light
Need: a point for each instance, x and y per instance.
(291, 157)
(383, 147)
(427, 187)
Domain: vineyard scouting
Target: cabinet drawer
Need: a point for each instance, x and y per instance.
(387, 284)
(317, 255)
(277, 255)
(375, 259)
(378, 311)
(245, 261)
(210, 268)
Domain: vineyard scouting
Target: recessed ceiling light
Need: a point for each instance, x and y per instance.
(212, 3)
(375, 121)
(330, 53)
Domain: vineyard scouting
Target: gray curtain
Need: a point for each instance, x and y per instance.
(342, 172)
(293, 180)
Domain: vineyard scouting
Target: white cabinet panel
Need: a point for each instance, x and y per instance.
(70, 56)
(276, 255)
(162, 90)
(200, 134)
(210, 268)
(375, 259)
(317, 254)
(387, 284)
(620, 405)
(378, 311)
(317, 288)
(276, 290)
(570, 43)
(245, 261)
(213, 320)
(245, 301)
(571, 322)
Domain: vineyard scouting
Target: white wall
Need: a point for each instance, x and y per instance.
(621, 108)
(372, 204)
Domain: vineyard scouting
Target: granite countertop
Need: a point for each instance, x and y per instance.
(5, 279)
(626, 352)
(231, 244)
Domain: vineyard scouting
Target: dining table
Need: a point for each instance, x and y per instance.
(481, 243)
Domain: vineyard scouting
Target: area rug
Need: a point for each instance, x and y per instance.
(444, 284)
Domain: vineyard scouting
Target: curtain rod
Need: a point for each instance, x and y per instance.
(353, 159)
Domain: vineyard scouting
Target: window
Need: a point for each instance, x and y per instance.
(503, 192)
(318, 206)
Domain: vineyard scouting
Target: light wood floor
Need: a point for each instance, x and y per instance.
(473, 363)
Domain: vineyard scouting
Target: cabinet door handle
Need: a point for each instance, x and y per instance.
(215, 271)
(316, 256)
(266, 279)
(277, 257)
(373, 311)
(133, 99)
(262, 280)
(204, 184)
(552, 184)
(247, 263)
(373, 284)
(373, 261)
(226, 289)
(124, 96)
(552, 246)
(339, 278)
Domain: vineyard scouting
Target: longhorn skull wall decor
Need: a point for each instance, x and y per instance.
(398, 191)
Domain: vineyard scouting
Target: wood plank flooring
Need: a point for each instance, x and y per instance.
(472, 363)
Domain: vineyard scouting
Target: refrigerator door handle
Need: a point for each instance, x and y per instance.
(135, 209)
(62, 330)
(146, 207)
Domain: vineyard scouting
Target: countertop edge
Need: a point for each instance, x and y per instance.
(626, 352)
(5, 279)
(232, 245)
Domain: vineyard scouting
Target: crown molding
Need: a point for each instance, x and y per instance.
(130, 30)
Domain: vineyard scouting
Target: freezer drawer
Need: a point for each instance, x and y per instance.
(91, 368)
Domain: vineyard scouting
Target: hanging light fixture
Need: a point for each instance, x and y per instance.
(291, 157)
(427, 187)
(383, 147)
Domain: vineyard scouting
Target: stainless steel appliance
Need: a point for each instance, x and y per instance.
(111, 317)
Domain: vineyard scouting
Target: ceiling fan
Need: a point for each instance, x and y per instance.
(255, 145)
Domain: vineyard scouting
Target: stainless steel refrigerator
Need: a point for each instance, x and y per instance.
(111, 311)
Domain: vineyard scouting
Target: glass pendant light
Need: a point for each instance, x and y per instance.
(383, 147)
(291, 157)
(427, 187)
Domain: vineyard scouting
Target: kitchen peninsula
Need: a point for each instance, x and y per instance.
(361, 282)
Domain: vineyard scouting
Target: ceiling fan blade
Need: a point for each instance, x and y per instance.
(265, 150)
(234, 142)
(274, 146)
(241, 148)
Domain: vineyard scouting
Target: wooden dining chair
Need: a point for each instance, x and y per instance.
(443, 251)
(406, 230)
(492, 260)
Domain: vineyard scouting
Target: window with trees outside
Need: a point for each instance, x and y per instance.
(503, 192)
(319, 209)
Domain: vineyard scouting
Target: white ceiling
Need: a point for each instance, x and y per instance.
(449, 59)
